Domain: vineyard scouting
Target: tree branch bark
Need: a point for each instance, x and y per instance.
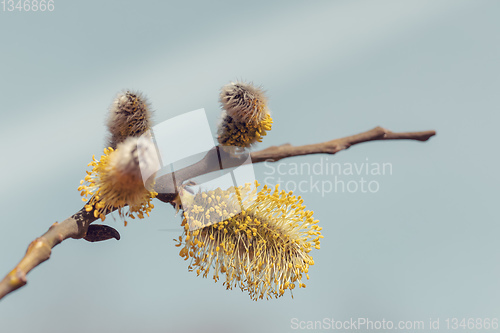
(40, 249)
(277, 153)
(76, 226)
(166, 188)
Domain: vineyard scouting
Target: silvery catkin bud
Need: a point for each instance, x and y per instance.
(129, 115)
(246, 116)
(244, 102)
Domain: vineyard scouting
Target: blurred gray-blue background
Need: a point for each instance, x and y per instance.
(425, 245)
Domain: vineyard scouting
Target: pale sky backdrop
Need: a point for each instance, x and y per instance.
(425, 245)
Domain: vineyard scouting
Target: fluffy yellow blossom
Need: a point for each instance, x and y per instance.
(116, 181)
(260, 240)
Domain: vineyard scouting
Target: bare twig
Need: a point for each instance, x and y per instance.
(77, 225)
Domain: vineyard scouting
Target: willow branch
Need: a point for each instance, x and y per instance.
(40, 249)
(76, 226)
(277, 153)
(211, 162)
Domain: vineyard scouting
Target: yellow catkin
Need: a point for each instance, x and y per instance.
(262, 249)
(111, 187)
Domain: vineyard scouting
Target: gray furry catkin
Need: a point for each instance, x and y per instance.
(129, 115)
(244, 102)
(245, 118)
